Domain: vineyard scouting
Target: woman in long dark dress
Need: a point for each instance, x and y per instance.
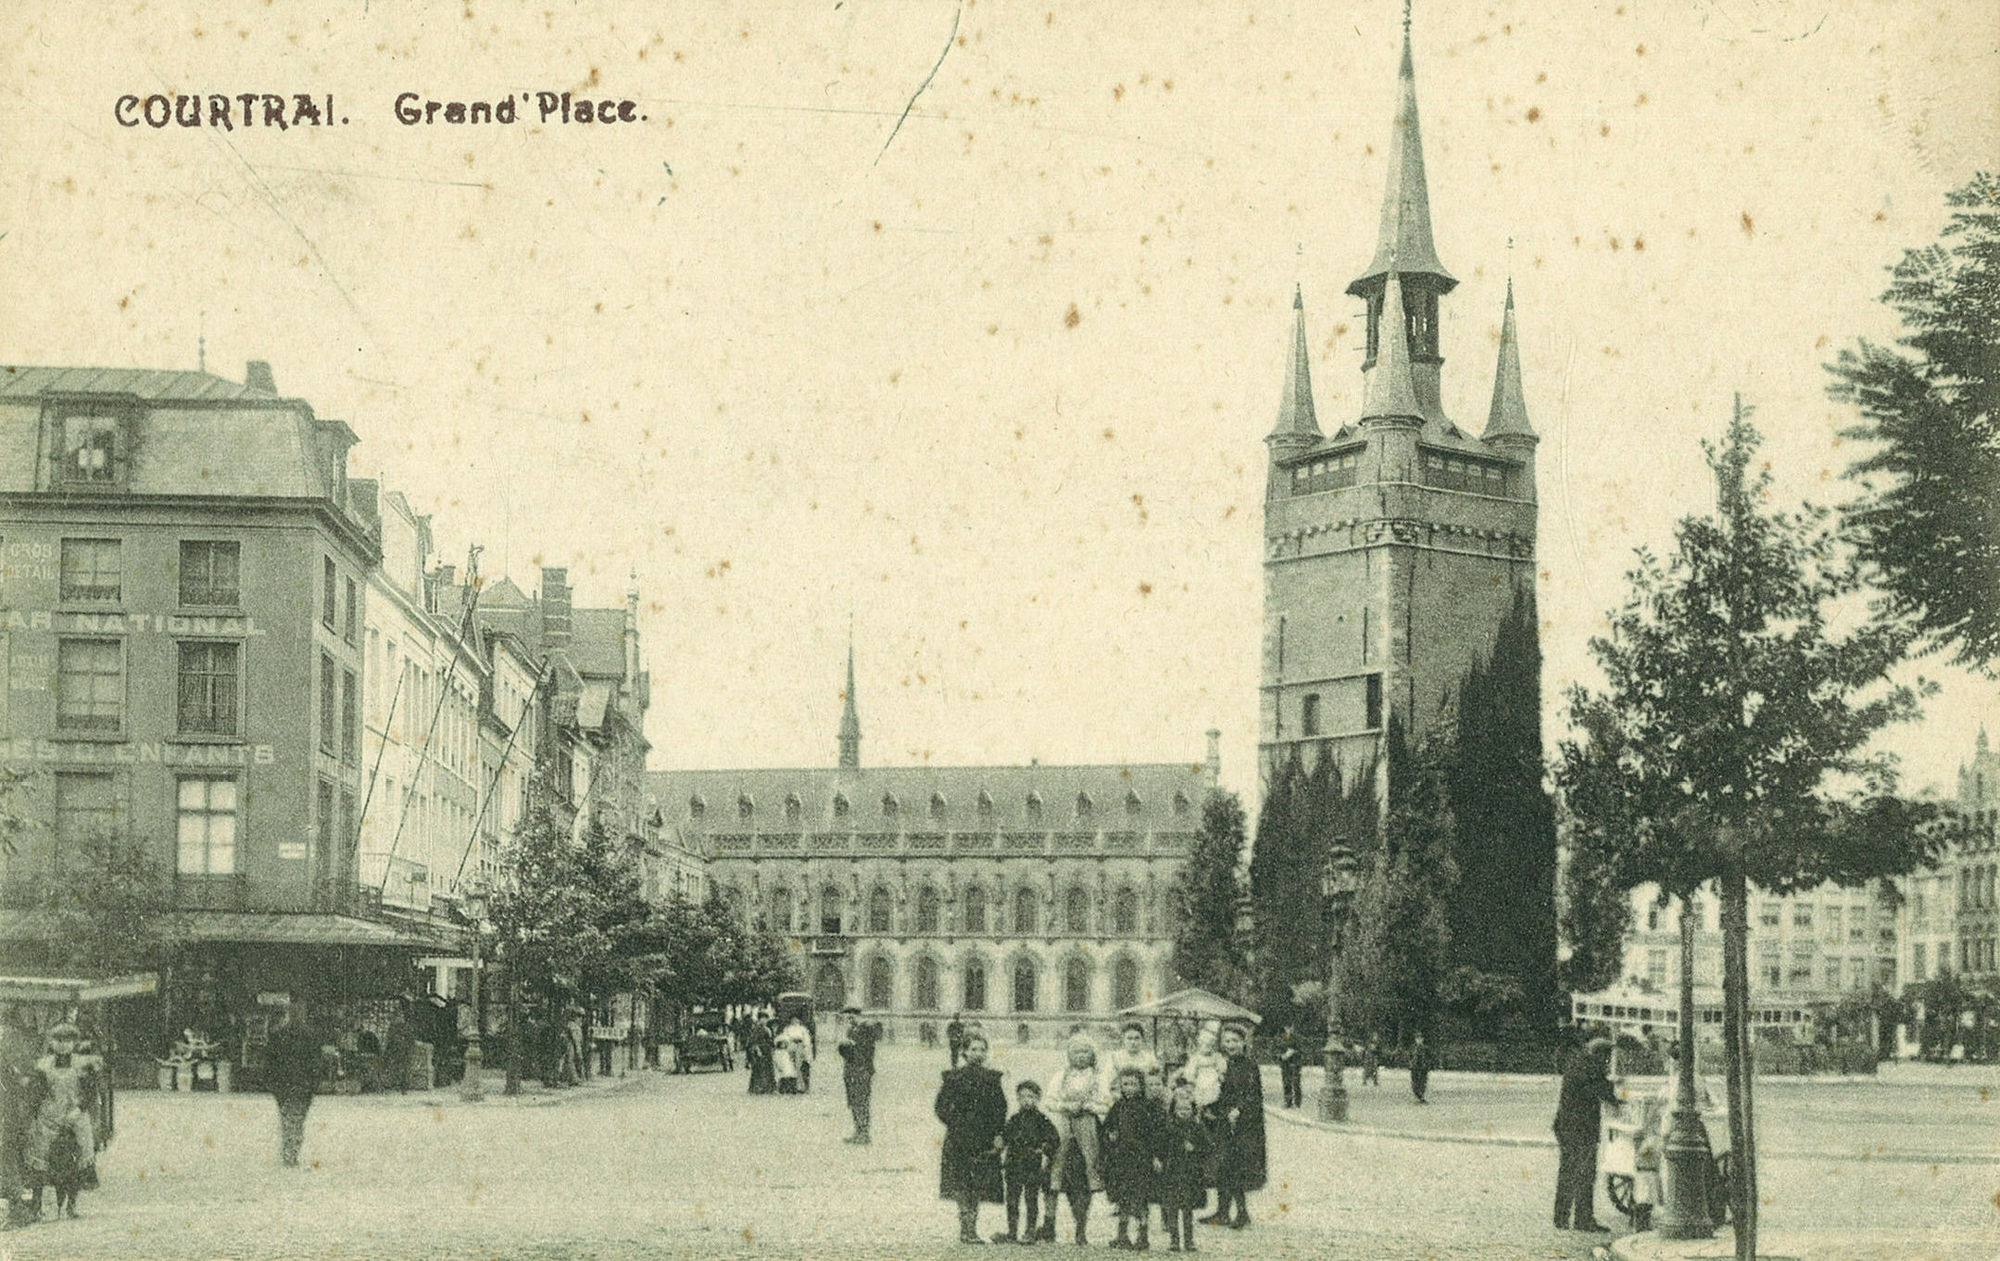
(757, 1055)
(973, 1108)
(1239, 1109)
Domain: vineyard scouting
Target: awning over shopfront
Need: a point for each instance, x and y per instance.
(71, 989)
(273, 928)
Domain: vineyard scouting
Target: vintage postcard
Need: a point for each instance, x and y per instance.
(845, 628)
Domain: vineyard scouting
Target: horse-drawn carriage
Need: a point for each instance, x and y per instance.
(704, 1043)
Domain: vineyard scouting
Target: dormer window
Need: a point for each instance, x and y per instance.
(1084, 805)
(746, 808)
(985, 804)
(93, 449)
(1035, 807)
(696, 807)
(793, 808)
(840, 805)
(1132, 804)
(889, 805)
(1181, 805)
(937, 805)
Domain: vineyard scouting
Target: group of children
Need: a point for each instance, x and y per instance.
(1124, 1130)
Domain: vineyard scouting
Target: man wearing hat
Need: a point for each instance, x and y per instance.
(1585, 1089)
(857, 1067)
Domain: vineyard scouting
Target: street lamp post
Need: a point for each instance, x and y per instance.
(1337, 886)
(1687, 1164)
(472, 1088)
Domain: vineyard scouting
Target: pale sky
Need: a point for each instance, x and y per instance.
(995, 388)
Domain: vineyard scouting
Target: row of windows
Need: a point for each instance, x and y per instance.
(91, 692)
(927, 992)
(1799, 972)
(1975, 954)
(208, 812)
(1976, 888)
(1453, 473)
(1311, 724)
(784, 914)
(940, 806)
(92, 571)
(1327, 473)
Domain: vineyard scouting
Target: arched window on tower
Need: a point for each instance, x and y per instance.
(881, 984)
(881, 913)
(1124, 983)
(1076, 911)
(1125, 912)
(1076, 984)
(974, 911)
(926, 995)
(1309, 715)
(927, 909)
(1024, 984)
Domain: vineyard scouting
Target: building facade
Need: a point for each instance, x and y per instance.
(184, 592)
(1032, 898)
(1952, 915)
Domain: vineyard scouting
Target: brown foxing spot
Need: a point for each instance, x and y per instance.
(1073, 317)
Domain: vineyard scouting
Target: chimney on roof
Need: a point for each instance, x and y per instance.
(447, 577)
(555, 609)
(257, 376)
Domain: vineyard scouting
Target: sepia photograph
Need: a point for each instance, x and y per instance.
(863, 628)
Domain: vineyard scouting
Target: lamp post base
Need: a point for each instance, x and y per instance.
(472, 1088)
(1333, 1095)
(1685, 1170)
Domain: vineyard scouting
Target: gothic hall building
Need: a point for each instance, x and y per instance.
(1031, 898)
(1399, 563)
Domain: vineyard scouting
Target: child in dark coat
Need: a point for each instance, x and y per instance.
(1182, 1187)
(1032, 1143)
(1131, 1156)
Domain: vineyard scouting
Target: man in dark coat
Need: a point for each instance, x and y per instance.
(1240, 1166)
(857, 1067)
(1291, 1067)
(974, 1111)
(1585, 1089)
(954, 1038)
(1422, 1061)
(291, 1073)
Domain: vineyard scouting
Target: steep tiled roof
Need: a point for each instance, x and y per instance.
(146, 383)
(957, 789)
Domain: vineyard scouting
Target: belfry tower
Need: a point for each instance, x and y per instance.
(1396, 544)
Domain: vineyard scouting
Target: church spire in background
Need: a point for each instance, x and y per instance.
(1297, 425)
(1509, 413)
(850, 718)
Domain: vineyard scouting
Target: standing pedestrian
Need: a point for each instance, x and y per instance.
(1241, 1166)
(1291, 1067)
(1078, 1099)
(757, 1048)
(954, 1038)
(1131, 1053)
(973, 1108)
(292, 1061)
(1422, 1060)
(62, 1140)
(1131, 1156)
(857, 1067)
(1184, 1162)
(1031, 1144)
(18, 1046)
(1371, 1063)
(1585, 1089)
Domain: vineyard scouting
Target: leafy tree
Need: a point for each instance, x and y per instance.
(1928, 519)
(100, 914)
(1206, 950)
(1732, 740)
(1396, 957)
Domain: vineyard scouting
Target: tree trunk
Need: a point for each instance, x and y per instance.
(1736, 1034)
(1684, 1059)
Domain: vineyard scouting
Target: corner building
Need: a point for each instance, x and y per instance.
(1033, 899)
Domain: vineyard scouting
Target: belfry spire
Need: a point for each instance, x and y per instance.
(1391, 393)
(1405, 238)
(1509, 413)
(850, 718)
(1297, 424)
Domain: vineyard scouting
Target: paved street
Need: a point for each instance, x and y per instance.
(671, 1166)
